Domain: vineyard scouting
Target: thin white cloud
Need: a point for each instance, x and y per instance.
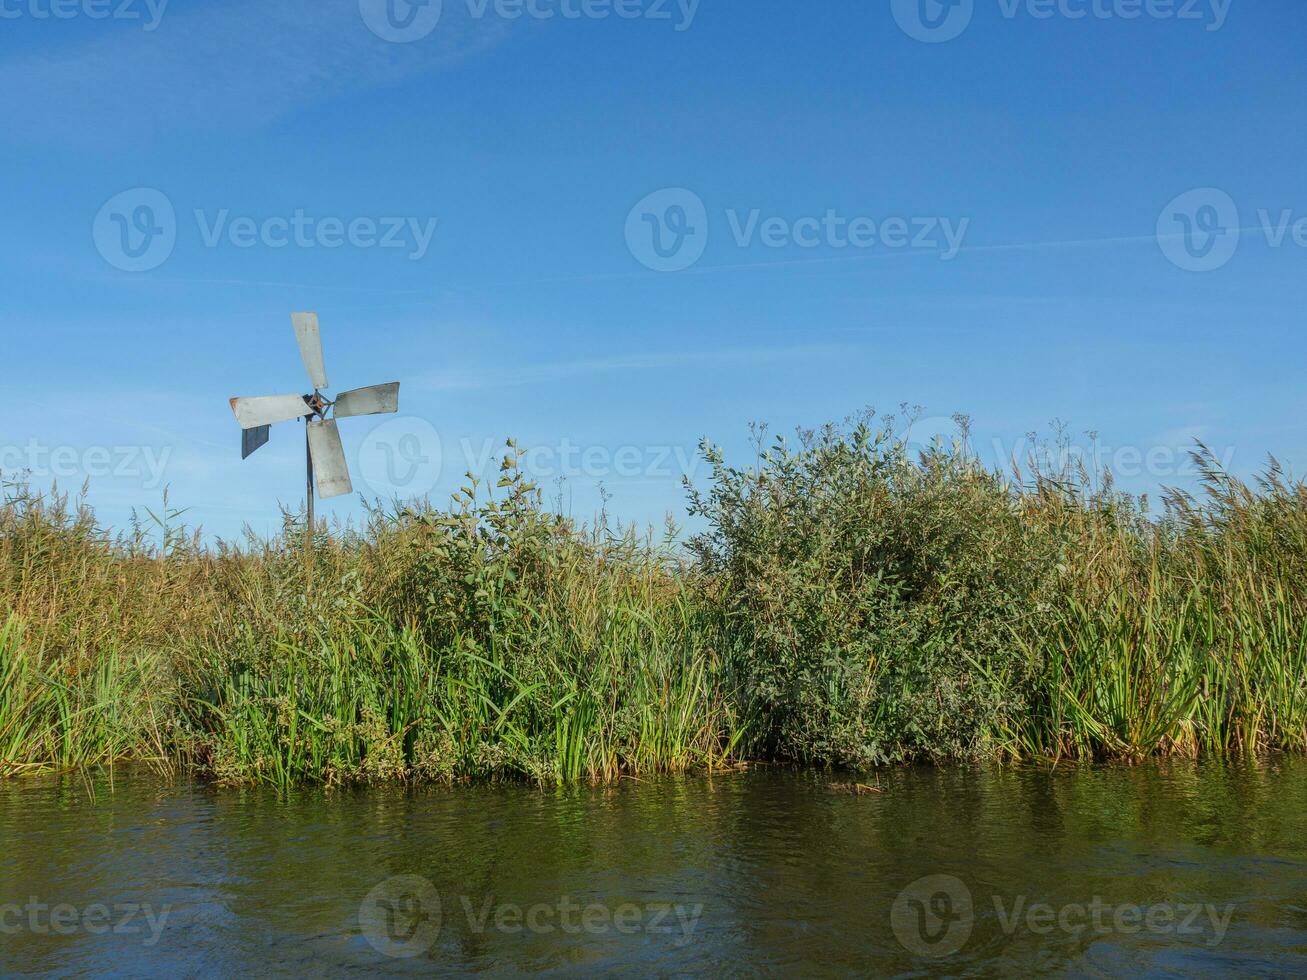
(226, 66)
(512, 375)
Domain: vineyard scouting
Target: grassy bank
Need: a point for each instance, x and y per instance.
(849, 602)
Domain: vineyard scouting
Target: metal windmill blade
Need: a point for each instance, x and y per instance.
(258, 410)
(375, 400)
(253, 439)
(324, 454)
(328, 455)
(309, 338)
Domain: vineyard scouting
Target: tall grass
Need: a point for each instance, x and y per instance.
(51, 715)
(847, 601)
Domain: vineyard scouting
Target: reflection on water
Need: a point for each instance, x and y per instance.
(1164, 868)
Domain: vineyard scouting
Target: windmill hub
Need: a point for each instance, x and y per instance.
(316, 402)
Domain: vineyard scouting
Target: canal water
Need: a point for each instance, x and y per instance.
(1165, 869)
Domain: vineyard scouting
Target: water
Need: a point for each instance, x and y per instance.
(1164, 869)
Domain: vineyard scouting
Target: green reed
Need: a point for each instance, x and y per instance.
(846, 601)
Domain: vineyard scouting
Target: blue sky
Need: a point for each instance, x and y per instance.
(1082, 210)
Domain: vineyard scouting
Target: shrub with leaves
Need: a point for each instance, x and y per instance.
(871, 585)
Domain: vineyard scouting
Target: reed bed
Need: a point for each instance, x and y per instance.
(846, 602)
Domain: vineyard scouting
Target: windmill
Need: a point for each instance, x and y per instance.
(323, 453)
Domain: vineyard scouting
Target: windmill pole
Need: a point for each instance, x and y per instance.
(308, 488)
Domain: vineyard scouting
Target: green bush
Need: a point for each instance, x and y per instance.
(879, 593)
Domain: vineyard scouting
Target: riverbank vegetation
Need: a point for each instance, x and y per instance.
(850, 601)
